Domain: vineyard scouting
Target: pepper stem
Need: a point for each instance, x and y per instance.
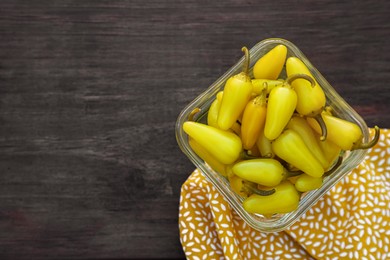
(335, 166)
(261, 99)
(257, 191)
(292, 173)
(321, 123)
(371, 143)
(245, 68)
(293, 77)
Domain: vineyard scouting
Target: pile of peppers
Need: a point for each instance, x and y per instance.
(272, 138)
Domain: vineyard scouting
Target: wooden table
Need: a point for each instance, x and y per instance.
(90, 92)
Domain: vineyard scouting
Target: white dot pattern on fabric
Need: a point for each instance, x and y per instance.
(352, 221)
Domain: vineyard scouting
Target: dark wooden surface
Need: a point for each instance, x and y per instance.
(89, 95)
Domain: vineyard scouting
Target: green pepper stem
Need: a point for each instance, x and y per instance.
(334, 168)
(371, 143)
(258, 191)
(245, 68)
(293, 77)
(321, 123)
(292, 173)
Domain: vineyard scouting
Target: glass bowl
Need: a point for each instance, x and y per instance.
(277, 222)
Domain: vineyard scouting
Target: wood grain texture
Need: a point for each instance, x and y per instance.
(90, 92)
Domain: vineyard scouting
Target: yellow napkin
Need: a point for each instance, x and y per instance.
(352, 221)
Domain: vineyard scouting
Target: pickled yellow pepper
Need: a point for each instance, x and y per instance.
(300, 125)
(267, 172)
(253, 120)
(237, 91)
(271, 64)
(343, 133)
(290, 147)
(284, 200)
(282, 102)
(311, 98)
(307, 183)
(223, 145)
(207, 157)
(264, 145)
(265, 84)
(212, 115)
(331, 150)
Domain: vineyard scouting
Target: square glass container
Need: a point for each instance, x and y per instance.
(351, 159)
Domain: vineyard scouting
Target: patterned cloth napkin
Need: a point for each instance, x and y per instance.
(352, 221)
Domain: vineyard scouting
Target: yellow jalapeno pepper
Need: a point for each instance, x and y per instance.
(243, 187)
(267, 172)
(253, 120)
(306, 183)
(264, 146)
(246, 188)
(237, 185)
(225, 146)
(271, 64)
(282, 102)
(343, 133)
(237, 91)
(311, 98)
(331, 150)
(284, 200)
(300, 125)
(290, 147)
(293, 179)
(212, 116)
(236, 128)
(207, 157)
(259, 85)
